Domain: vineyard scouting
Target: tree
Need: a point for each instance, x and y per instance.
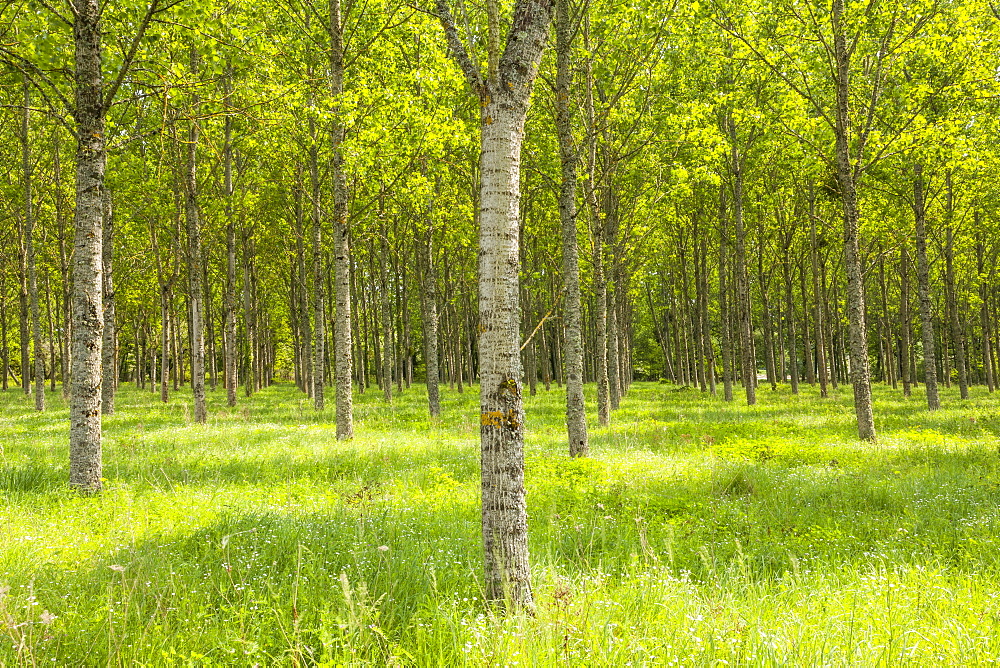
(504, 95)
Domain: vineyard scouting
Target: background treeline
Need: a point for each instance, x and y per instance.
(710, 206)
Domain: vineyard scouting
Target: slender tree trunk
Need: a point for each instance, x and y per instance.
(724, 310)
(818, 316)
(614, 358)
(29, 254)
(793, 345)
(195, 272)
(600, 287)
(343, 349)
(5, 350)
(860, 373)
(904, 321)
(766, 322)
(64, 261)
(706, 324)
(984, 313)
(110, 345)
(504, 98)
(430, 322)
(924, 289)
(386, 328)
(318, 276)
(88, 309)
(576, 417)
(748, 359)
(957, 334)
(229, 354)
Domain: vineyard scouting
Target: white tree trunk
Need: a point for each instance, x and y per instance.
(88, 310)
(343, 354)
(109, 368)
(196, 291)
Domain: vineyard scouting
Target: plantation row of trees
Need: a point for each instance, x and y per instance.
(224, 194)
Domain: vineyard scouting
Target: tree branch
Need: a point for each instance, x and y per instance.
(458, 52)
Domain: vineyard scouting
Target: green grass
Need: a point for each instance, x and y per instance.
(697, 534)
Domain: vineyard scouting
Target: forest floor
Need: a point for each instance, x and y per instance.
(698, 533)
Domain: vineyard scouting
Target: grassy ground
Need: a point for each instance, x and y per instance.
(699, 533)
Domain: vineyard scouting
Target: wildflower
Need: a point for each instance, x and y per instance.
(46, 617)
(383, 548)
(117, 568)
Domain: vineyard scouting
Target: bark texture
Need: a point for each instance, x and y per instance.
(343, 349)
(109, 366)
(429, 314)
(88, 311)
(576, 422)
(195, 272)
(857, 334)
(504, 102)
(924, 289)
(29, 252)
(229, 326)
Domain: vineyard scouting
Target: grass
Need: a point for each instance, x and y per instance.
(699, 533)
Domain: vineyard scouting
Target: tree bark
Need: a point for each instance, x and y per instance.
(195, 272)
(88, 309)
(793, 346)
(860, 372)
(904, 321)
(984, 312)
(724, 309)
(109, 370)
(924, 289)
(957, 334)
(343, 349)
(318, 359)
(504, 102)
(229, 340)
(748, 359)
(430, 323)
(819, 308)
(576, 417)
(29, 252)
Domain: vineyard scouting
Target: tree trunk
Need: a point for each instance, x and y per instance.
(748, 359)
(29, 254)
(343, 349)
(793, 345)
(229, 338)
(860, 373)
(504, 98)
(385, 326)
(109, 369)
(318, 358)
(924, 289)
(430, 323)
(957, 335)
(724, 310)
(706, 324)
(904, 321)
(195, 272)
(88, 309)
(5, 350)
(576, 417)
(984, 313)
(819, 306)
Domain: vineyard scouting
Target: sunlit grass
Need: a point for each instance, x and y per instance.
(698, 533)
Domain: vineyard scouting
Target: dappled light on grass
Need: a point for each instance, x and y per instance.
(698, 532)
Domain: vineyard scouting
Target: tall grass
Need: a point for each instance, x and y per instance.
(697, 534)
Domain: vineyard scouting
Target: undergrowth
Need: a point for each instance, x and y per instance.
(698, 533)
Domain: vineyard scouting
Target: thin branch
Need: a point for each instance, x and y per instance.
(458, 51)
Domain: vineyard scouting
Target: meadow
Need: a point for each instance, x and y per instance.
(698, 533)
